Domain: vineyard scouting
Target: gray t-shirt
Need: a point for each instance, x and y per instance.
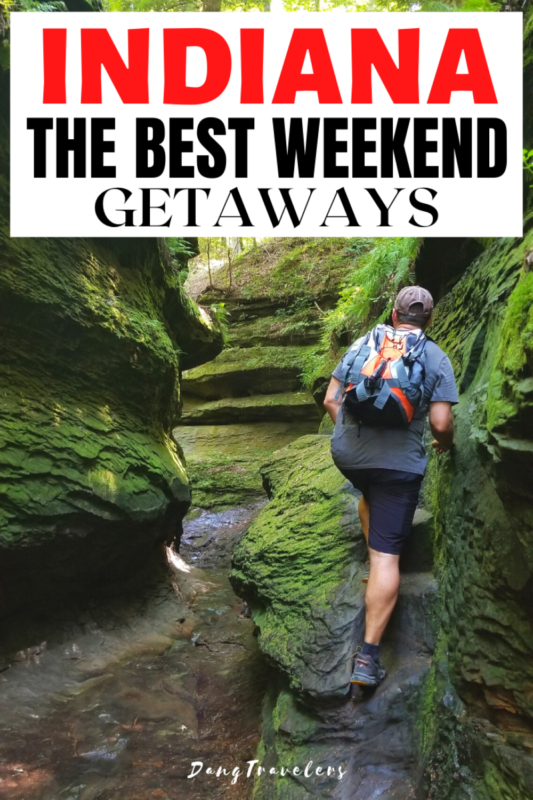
(354, 447)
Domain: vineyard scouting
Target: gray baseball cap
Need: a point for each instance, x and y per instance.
(411, 296)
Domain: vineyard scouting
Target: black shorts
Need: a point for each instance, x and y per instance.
(392, 496)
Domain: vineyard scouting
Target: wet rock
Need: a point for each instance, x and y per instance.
(209, 537)
(134, 731)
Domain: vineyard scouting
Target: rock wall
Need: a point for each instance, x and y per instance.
(476, 717)
(93, 336)
(478, 712)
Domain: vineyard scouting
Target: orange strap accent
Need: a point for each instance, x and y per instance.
(409, 409)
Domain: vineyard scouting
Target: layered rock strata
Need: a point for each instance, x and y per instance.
(251, 401)
(478, 715)
(93, 337)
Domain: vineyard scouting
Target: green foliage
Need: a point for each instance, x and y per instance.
(221, 315)
(381, 268)
(301, 5)
(179, 248)
(179, 252)
(301, 304)
(305, 266)
(35, 5)
(7, 6)
(370, 289)
(388, 5)
(316, 365)
(527, 160)
(152, 5)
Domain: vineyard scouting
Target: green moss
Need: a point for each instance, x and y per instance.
(499, 407)
(295, 557)
(240, 360)
(517, 329)
(436, 492)
(482, 536)
(223, 460)
(479, 295)
(327, 425)
(288, 325)
(92, 337)
(430, 698)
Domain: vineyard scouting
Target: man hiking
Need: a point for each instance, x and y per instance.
(378, 398)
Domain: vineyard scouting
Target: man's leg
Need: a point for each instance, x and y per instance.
(381, 593)
(392, 502)
(364, 515)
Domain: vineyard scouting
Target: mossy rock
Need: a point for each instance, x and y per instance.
(286, 407)
(223, 460)
(284, 328)
(241, 371)
(327, 426)
(93, 338)
(481, 497)
(297, 567)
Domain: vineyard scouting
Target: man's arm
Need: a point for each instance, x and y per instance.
(442, 427)
(330, 404)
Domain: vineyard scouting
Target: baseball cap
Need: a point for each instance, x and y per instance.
(412, 296)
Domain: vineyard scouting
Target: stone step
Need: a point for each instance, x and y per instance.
(203, 443)
(325, 669)
(238, 372)
(284, 407)
(299, 329)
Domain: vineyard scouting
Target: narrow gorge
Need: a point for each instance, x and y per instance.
(181, 563)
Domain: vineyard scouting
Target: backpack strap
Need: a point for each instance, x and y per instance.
(361, 392)
(401, 373)
(383, 396)
(358, 363)
(353, 361)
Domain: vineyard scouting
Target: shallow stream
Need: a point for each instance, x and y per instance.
(115, 697)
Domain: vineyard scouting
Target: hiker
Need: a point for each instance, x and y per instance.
(378, 398)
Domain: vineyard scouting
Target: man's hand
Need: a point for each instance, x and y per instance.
(440, 448)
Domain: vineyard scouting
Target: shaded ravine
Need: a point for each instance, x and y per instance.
(125, 692)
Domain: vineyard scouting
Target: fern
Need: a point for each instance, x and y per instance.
(380, 271)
